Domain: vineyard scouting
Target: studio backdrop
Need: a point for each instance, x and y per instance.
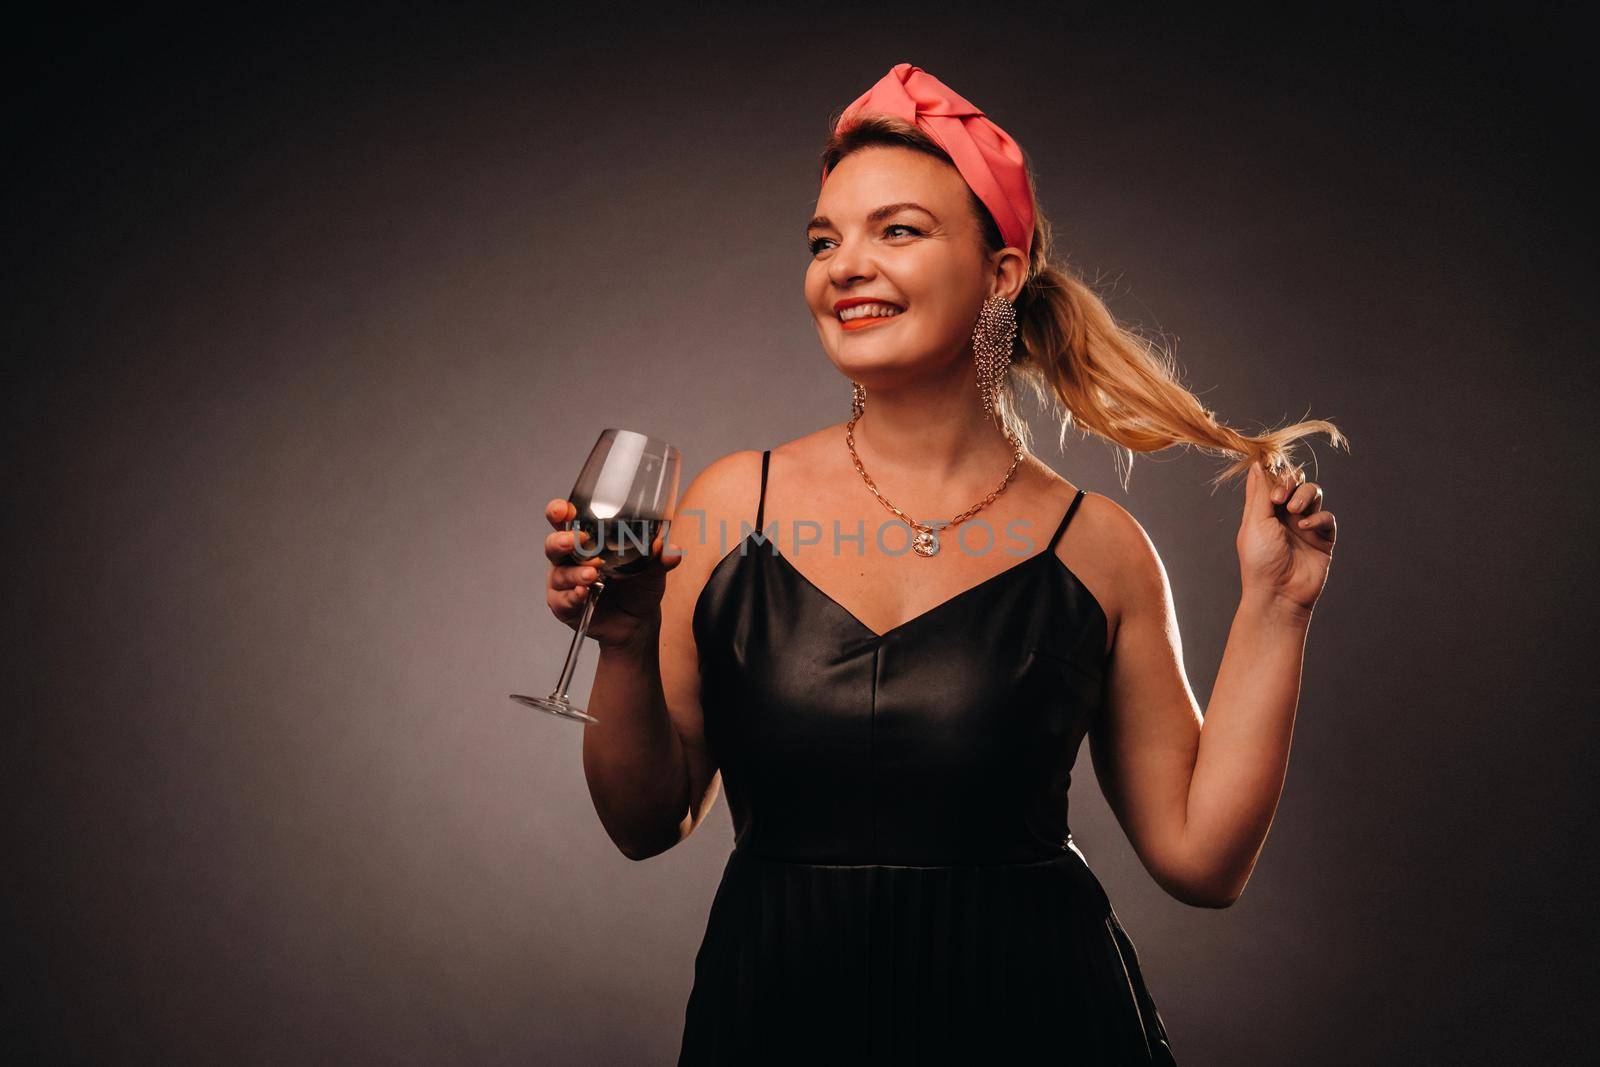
(309, 317)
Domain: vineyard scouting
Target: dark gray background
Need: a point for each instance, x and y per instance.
(307, 317)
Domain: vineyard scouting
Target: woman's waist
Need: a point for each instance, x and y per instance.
(846, 838)
(941, 889)
(908, 859)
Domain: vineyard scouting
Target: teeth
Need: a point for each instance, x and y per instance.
(863, 311)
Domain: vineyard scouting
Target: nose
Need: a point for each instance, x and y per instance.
(851, 262)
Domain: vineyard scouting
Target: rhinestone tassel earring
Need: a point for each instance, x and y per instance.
(993, 339)
(858, 399)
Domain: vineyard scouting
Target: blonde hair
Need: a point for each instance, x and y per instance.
(1085, 368)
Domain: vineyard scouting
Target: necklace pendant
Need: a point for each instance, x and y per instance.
(925, 543)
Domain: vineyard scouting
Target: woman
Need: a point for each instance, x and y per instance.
(897, 728)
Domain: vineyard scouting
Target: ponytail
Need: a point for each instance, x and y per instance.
(1086, 368)
(1095, 373)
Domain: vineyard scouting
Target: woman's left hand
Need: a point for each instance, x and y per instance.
(1285, 540)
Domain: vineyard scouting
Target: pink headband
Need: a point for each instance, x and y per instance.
(987, 157)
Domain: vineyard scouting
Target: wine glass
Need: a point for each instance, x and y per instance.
(625, 494)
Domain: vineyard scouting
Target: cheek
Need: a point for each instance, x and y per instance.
(816, 281)
(937, 284)
(940, 315)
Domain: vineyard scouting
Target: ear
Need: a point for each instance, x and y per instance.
(1010, 272)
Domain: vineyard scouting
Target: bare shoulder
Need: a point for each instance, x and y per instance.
(1121, 538)
(706, 523)
(725, 477)
(806, 467)
(719, 506)
(1111, 553)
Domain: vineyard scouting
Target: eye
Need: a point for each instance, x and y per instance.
(815, 244)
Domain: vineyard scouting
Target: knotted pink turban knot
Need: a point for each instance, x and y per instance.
(987, 157)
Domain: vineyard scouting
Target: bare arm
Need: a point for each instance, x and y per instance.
(650, 773)
(634, 758)
(1197, 794)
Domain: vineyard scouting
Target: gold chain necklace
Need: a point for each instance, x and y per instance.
(926, 542)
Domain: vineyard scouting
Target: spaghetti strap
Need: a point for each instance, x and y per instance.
(1064, 520)
(761, 503)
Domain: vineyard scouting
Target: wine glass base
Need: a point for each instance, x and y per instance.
(565, 709)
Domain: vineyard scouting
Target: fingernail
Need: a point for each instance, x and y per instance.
(1305, 522)
(589, 574)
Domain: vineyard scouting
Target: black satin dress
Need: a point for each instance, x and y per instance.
(903, 886)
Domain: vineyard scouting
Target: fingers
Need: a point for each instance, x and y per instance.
(563, 578)
(560, 512)
(568, 588)
(571, 575)
(565, 604)
(1320, 525)
(1294, 495)
(1301, 502)
(561, 547)
(1306, 498)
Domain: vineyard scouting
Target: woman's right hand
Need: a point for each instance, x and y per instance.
(629, 608)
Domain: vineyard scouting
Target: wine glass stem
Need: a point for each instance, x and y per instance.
(595, 590)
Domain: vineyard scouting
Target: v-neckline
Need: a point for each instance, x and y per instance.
(921, 615)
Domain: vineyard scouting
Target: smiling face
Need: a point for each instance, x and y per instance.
(924, 255)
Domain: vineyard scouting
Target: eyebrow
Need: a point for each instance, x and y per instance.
(877, 215)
